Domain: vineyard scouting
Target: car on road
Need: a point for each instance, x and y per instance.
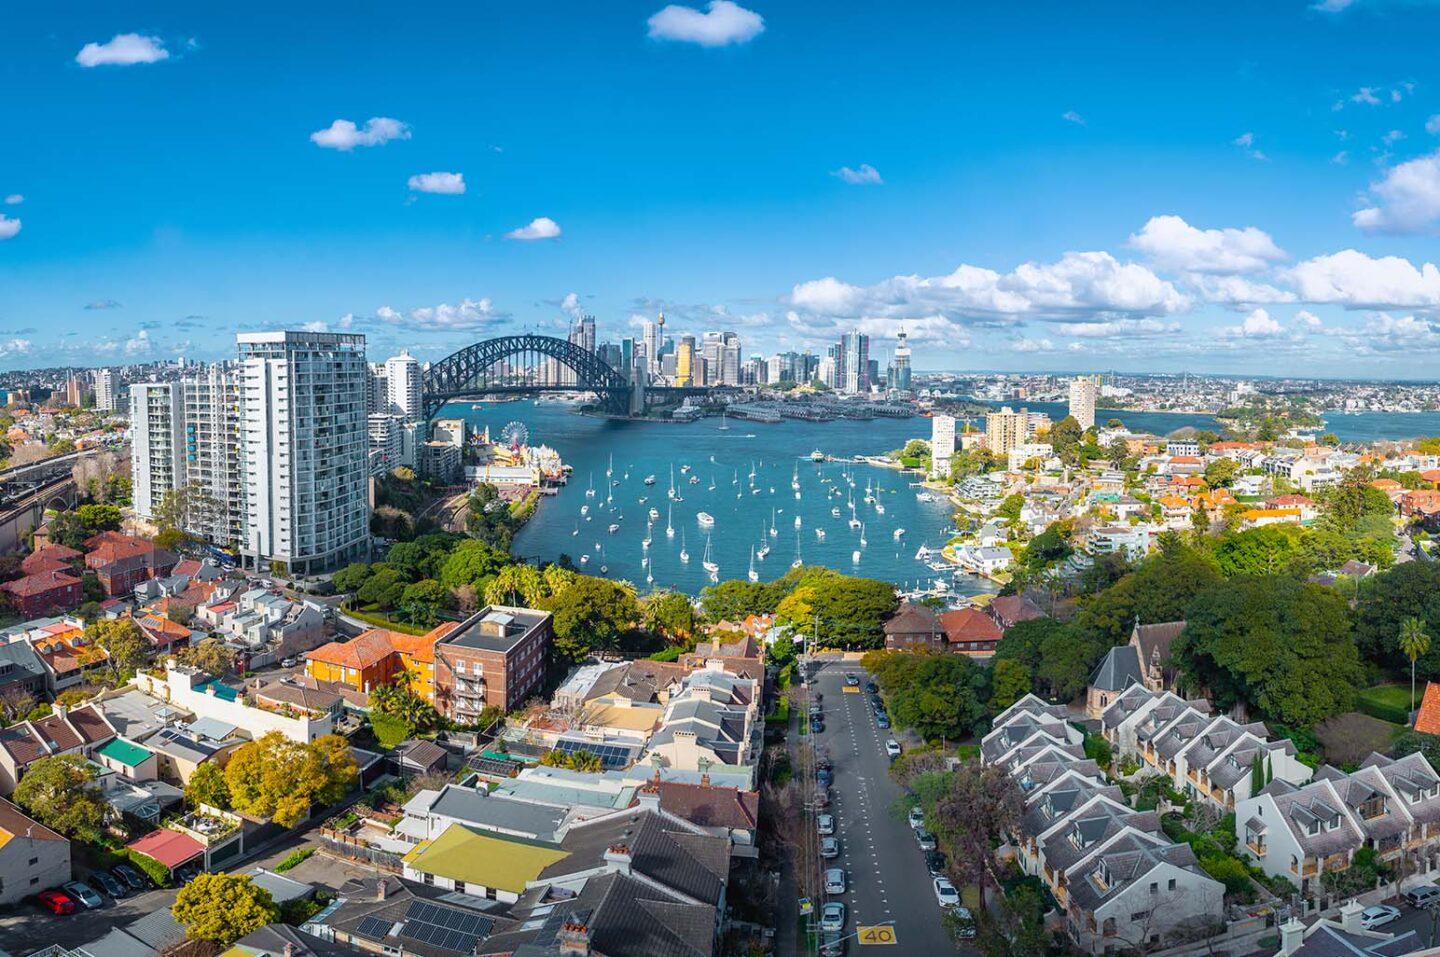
(110, 884)
(832, 916)
(964, 922)
(825, 824)
(816, 710)
(935, 863)
(1378, 916)
(834, 881)
(56, 902)
(84, 894)
(892, 748)
(917, 817)
(825, 776)
(829, 847)
(833, 944)
(131, 877)
(926, 840)
(852, 680)
(872, 687)
(817, 726)
(882, 721)
(1425, 895)
(290, 662)
(946, 893)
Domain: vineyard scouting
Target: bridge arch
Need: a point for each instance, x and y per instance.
(478, 370)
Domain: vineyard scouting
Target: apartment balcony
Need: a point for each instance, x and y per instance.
(1256, 847)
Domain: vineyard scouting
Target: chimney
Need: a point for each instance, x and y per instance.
(1292, 935)
(705, 780)
(381, 888)
(573, 940)
(289, 950)
(618, 857)
(1350, 917)
(648, 798)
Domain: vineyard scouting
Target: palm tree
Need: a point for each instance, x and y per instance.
(1414, 643)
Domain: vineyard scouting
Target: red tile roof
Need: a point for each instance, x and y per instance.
(1427, 720)
(710, 806)
(41, 584)
(969, 624)
(170, 848)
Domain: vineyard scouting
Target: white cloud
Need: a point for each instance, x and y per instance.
(1246, 141)
(1341, 158)
(319, 325)
(722, 24)
(1432, 125)
(1172, 243)
(447, 184)
(1236, 290)
(14, 199)
(1366, 95)
(1305, 319)
(570, 305)
(1354, 280)
(1386, 333)
(1079, 286)
(865, 175)
(1111, 328)
(464, 316)
(1033, 345)
(1070, 116)
(1332, 6)
(124, 49)
(11, 347)
(139, 344)
(542, 227)
(1407, 199)
(9, 228)
(1260, 325)
(345, 135)
(1394, 136)
(99, 304)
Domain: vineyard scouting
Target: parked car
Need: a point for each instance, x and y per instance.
(84, 894)
(872, 687)
(825, 824)
(822, 796)
(815, 710)
(110, 884)
(926, 840)
(832, 916)
(56, 902)
(1423, 895)
(935, 863)
(892, 748)
(829, 847)
(817, 726)
(290, 662)
(825, 776)
(834, 881)
(882, 721)
(833, 944)
(131, 877)
(946, 893)
(964, 922)
(1378, 916)
(917, 817)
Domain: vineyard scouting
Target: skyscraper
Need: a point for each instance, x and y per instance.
(942, 444)
(1083, 392)
(402, 376)
(214, 460)
(900, 364)
(1006, 429)
(304, 440)
(730, 360)
(685, 361)
(104, 390)
(853, 363)
(587, 333)
(157, 465)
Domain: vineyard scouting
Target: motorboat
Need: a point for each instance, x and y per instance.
(614, 529)
(898, 534)
(817, 456)
(855, 556)
(649, 480)
(705, 519)
(654, 514)
(820, 534)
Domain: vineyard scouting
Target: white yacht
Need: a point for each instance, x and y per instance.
(684, 555)
(705, 519)
(753, 575)
(708, 563)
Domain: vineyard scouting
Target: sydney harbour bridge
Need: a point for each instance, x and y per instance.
(529, 364)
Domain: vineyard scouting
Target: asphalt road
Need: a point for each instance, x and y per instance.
(888, 880)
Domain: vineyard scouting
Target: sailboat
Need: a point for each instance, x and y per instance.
(645, 542)
(724, 426)
(797, 521)
(795, 478)
(610, 469)
(773, 532)
(797, 563)
(684, 555)
(673, 496)
(669, 526)
(753, 575)
(707, 562)
(590, 492)
(862, 535)
(711, 487)
(820, 534)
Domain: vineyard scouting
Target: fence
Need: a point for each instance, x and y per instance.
(352, 851)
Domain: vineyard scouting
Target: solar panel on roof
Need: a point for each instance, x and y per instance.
(610, 755)
(374, 927)
(445, 927)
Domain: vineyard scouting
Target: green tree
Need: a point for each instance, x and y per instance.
(1409, 590)
(938, 695)
(472, 563)
(1159, 589)
(98, 518)
(517, 585)
(1009, 683)
(208, 655)
(59, 792)
(1280, 645)
(207, 786)
(427, 591)
(1065, 437)
(734, 600)
(123, 641)
(1258, 551)
(670, 615)
(591, 613)
(399, 700)
(351, 577)
(385, 588)
(222, 907)
(1221, 473)
(1413, 643)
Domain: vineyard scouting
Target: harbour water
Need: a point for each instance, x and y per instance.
(718, 482)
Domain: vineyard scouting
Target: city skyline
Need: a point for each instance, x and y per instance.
(1275, 212)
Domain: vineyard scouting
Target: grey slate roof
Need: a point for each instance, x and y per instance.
(661, 848)
(1118, 670)
(494, 813)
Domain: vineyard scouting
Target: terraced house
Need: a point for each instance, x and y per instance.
(1121, 882)
(1209, 757)
(1300, 832)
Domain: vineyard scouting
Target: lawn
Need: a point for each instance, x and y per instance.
(1390, 702)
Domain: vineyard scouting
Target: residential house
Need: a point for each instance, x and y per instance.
(52, 557)
(496, 658)
(394, 918)
(50, 592)
(123, 561)
(22, 675)
(67, 654)
(913, 625)
(79, 731)
(970, 631)
(380, 657)
(1133, 541)
(33, 858)
(199, 694)
(1007, 611)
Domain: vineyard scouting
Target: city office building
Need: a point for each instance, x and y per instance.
(730, 360)
(450, 430)
(104, 390)
(685, 361)
(853, 363)
(942, 445)
(826, 372)
(402, 374)
(304, 435)
(383, 447)
(155, 445)
(76, 391)
(899, 378)
(1083, 392)
(1006, 429)
(379, 389)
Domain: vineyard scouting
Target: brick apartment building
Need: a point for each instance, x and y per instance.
(495, 658)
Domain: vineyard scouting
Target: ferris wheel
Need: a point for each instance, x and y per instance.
(515, 434)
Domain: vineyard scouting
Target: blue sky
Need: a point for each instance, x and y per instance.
(1236, 187)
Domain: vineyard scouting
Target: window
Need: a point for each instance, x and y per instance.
(1154, 887)
(34, 861)
(1172, 884)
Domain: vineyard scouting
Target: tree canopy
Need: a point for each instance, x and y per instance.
(223, 907)
(281, 779)
(60, 792)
